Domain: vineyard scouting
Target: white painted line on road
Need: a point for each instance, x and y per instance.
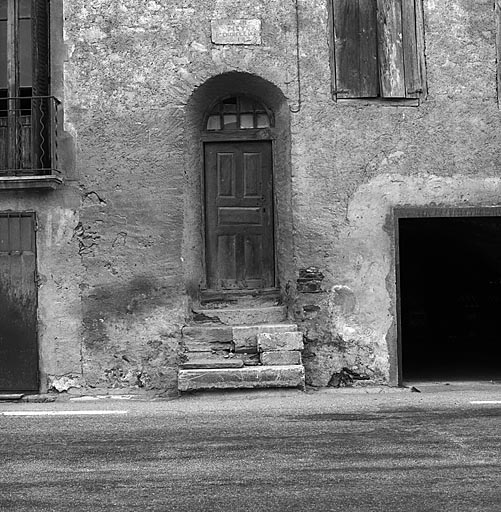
(482, 402)
(87, 398)
(61, 413)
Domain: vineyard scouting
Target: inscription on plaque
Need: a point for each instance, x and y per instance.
(236, 31)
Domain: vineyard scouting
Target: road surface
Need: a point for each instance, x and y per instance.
(267, 451)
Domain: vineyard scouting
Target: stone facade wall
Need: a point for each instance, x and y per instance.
(356, 162)
(130, 239)
(58, 267)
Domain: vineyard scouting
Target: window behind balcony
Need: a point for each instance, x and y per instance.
(26, 110)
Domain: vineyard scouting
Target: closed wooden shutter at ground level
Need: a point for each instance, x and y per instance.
(18, 303)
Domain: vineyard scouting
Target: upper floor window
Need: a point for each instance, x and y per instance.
(238, 113)
(27, 112)
(378, 49)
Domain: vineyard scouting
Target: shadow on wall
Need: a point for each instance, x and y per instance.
(111, 301)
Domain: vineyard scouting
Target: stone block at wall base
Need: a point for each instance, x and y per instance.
(245, 336)
(267, 342)
(281, 357)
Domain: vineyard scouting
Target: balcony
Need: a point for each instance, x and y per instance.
(28, 142)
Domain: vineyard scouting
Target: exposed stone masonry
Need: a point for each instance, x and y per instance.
(246, 351)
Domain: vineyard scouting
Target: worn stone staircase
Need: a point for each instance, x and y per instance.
(238, 341)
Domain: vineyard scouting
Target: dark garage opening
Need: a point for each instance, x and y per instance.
(450, 298)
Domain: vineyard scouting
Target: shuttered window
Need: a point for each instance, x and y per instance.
(25, 105)
(378, 49)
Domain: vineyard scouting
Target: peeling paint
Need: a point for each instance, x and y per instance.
(87, 239)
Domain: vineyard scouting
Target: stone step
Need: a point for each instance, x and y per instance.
(281, 357)
(239, 298)
(207, 346)
(219, 359)
(207, 333)
(244, 316)
(280, 341)
(241, 378)
(212, 363)
(237, 338)
(245, 336)
(227, 359)
(224, 333)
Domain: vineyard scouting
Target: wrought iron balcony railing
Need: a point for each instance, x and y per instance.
(28, 136)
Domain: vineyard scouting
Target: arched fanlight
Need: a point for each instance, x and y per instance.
(237, 113)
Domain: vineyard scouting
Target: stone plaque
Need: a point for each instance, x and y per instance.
(236, 31)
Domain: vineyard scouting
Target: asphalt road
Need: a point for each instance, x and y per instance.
(271, 451)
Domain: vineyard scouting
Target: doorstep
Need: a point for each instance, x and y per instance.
(285, 376)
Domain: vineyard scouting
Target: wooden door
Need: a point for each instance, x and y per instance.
(239, 215)
(18, 303)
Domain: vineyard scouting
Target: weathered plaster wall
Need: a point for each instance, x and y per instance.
(59, 328)
(132, 68)
(129, 128)
(130, 72)
(356, 163)
(57, 263)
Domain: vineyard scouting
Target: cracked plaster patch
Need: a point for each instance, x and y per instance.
(370, 252)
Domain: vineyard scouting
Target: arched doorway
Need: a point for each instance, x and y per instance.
(241, 118)
(238, 195)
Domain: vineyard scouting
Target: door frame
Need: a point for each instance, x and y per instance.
(258, 135)
(36, 348)
(209, 92)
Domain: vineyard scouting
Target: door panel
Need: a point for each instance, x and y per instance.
(18, 303)
(239, 215)
(226, 256)
(230, 215)
(226, 175)
(252, 175)
(253, 256)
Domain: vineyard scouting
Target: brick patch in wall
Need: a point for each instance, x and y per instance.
(310, 280)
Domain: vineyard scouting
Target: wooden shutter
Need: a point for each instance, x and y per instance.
(40, 119)
(18, 303)
(355, 44)
(376, 48)
(412, 26)
(12, 81)
(40, 21)
(391, 53)
(398, 58)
